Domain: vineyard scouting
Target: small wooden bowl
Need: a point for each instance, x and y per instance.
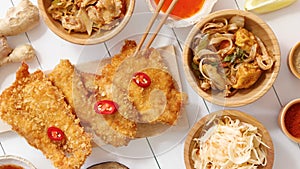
(293, 59)
(264, 83)
(281, 120)
(233, 114)
(83, 38)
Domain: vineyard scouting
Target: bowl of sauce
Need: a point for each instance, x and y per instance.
(15, 162)
(10, 166)
(186, 12)
(294, 60)
(289, 120)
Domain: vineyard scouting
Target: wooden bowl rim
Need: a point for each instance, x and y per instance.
(234, 114)
(282, 116)
(52, 24)
(253, 96)
(291, 57)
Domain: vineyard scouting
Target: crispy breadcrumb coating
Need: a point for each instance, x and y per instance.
(161, 101)
(33, 104)
(79, 89)
(104, 82)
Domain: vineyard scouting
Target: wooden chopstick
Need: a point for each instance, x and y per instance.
(154, 16)
(169, 10)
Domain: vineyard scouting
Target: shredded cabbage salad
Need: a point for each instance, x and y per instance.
(230, 144)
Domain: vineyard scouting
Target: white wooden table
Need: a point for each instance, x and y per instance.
(164, 151)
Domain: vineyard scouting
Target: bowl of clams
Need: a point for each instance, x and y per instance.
(228, 139)
(86, 22)
(231, 58)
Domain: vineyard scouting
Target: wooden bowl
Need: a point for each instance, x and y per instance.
(84, 38)
(196, 131)
(282, 117)
(294, 60)
(264, 83)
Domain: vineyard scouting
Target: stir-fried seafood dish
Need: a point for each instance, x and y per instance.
(228, 57)
(87, 15)
(230, 143)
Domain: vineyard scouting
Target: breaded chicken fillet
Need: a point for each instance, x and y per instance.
(105, 89)
(80, 91)
(33, 105)
(161, 102)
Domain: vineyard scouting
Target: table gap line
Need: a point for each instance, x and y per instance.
(107, 50)
(2, 148)
(12, 2)
(237, 4)
(277, 96)
(152, 151)
(37, 58)
(178, 41)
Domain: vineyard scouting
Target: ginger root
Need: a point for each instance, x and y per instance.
(19, 54)
(19, 19)
(5, 49)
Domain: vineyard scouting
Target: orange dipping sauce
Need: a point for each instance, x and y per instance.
(10, 166)
(183, 8)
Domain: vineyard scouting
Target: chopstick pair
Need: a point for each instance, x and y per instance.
(154, 16)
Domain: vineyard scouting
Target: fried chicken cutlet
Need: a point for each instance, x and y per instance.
(33, 105)
(161, 101)
(79, 90)
(134, 102)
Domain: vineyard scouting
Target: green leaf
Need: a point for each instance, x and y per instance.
(202, 44)
(228, 58)
(194, 66)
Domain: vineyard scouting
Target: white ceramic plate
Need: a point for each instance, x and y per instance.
(172, 135)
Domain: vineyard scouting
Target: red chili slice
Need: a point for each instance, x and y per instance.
(105, 107)
(55, 134)
(142, 79)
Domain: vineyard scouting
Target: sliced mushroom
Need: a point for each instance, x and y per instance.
(201, 54)
(217, 79)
